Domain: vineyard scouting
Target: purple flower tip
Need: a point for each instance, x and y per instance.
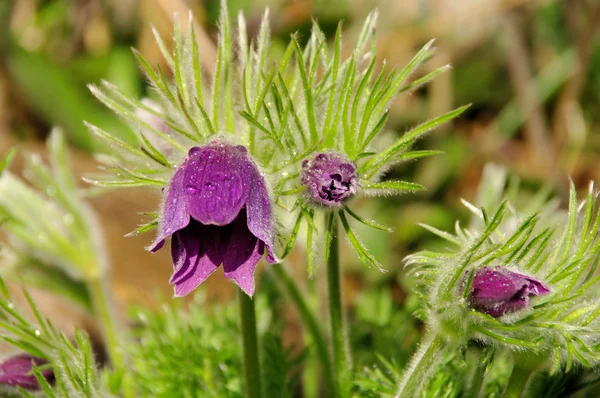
(17, 371)
(217, 211)
(498, 291)
(329, 178)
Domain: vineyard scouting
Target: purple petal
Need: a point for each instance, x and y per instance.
(197, 252)
(493, 285)
(174, 213)
(259, 214)
(217, 182)
(178, 252)
(243, 252)
(17, 371)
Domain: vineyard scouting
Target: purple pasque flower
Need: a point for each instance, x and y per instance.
(329, 178)
(217, 211)
(498, 291)
(17, 371)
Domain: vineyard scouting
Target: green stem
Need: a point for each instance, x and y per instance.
(105, 315)
(309, 321)
(420, 366)
(480, 372)
(252, 373)
(341, 360)
(518, 381)
(310, 371)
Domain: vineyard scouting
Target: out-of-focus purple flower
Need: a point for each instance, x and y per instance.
(217, 211)
(150, 118)
(498, 291)
(17, 371)
(329, 179)
(158, 123)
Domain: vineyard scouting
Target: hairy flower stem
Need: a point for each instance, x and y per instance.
(341, 360)
(104, 312)
(421, 365)
(480, 373)
(310, 322)
(252, 372)
(518, 381)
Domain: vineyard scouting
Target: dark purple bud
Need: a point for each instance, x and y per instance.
(498, 291)
(329, 178)
(217, 211)
(17, 371)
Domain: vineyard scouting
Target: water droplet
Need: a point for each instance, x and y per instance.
(38, 333)
(194, 151)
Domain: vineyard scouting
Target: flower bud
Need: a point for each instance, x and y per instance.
(17, 371)
(329, 178)
(498, 291)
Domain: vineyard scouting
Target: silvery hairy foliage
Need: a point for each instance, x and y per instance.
(53, 240)
(523, 283)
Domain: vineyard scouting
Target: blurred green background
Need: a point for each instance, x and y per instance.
(531, 69)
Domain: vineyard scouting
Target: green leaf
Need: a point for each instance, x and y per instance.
(307, 88)
(444, 235)
(292, 239)
(364, 255)
(378, 161)
(369, 223)
(426, 79)
(121, 183)
(391, 187)
(410, 155)
(7, 159)
(142, 229)
(328, 131)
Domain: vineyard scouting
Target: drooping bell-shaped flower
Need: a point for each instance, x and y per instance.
(330, 178)
(498, 291)
(217, 211)
(17, 371)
